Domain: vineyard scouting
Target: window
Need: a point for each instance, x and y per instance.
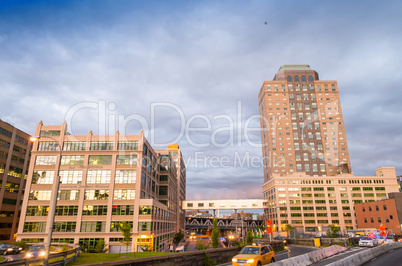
(72, 160)
(364, 210)
(303, 78)
(70, 177)
(387, 219)
(94, 210)
(127, 145)
(296, 78)
(91, 194)
(379, 219)
(50, 133)
(90, 226)
(34, 227)
(115, 226)
(100, 159)
(66, 211)
(64, 226)
(124, 194)
(40, 194)
(123, 210)
(98, 177)
(125, 177)
(45, 160)
(310, 78)
(370, 209)
(126, 159)
(101, 146)
(365, 220)
(48, 146)
(376, 208)
(145, 210)
(43, 177)
(69, 195)
(372, 220)
(74, 146)
(37, 210)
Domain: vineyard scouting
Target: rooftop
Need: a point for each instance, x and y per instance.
(294, 67)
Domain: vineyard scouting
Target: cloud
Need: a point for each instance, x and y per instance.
(203, 58)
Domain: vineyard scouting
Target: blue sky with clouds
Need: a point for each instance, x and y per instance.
(190, 71)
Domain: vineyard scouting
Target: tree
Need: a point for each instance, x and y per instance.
(215, 234)
(125, 229)
(333, 231)
(250, 238)
(201, 246)
(178, 237)
(101, 246)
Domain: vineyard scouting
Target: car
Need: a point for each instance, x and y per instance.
(253, 255)
(280, 238)
(180, 248)
(35, 251)
(367, 241)
(9, 249)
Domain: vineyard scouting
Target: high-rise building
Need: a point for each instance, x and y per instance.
(302, 124)
(307, 173)
(104, 181)
(175, 153)
(14, 160)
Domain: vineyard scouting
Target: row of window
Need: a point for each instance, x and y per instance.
(93, 177)
(81, 146)
(86, 226)
(118, 194)
(73, 210)
(93, 160)
(379, 219)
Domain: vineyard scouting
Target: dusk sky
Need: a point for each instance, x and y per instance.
(189, 72)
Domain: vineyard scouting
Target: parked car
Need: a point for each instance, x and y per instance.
(35, 251)
(367, 241)
(254, 255)
(280, 238)
(180, 248)
(9, 249)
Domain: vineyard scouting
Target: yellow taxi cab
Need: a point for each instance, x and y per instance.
(254, 255)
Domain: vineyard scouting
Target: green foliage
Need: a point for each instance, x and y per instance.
(249, 239)
(101, 246)
(215, 234)
(207, 260)
(21, 244)
(125, 229)
(289, 227)
(178, 237)
(337, 243)
(65, 248)
(146, 248)
(239, 244)
(333, 231)
(201, 246)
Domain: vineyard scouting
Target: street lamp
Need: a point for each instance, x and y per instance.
(53, 202)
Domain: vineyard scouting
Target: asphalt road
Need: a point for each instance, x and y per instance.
(291, 251)
(392, 257)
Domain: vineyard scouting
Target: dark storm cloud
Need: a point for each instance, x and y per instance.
(202, 58)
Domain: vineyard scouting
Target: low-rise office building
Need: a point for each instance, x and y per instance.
(311, 203)
(14, 161)
(387, 211)
(104, 181)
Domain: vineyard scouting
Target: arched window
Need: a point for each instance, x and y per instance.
(280, 79)
(304, 78)
(296, 78)
(290, 78)
(310, 78)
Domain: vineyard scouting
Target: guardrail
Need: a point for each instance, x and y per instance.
(64, 259)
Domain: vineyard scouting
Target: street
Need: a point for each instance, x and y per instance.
(392, 257)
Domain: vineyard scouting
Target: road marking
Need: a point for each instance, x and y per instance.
(374, 259)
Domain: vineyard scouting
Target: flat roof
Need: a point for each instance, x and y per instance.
(294, 67)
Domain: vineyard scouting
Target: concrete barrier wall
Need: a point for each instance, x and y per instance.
(193, 258)
(324, 241)
(367, 255)
(311, 257)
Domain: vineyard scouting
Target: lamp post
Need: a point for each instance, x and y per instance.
(53, 203)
